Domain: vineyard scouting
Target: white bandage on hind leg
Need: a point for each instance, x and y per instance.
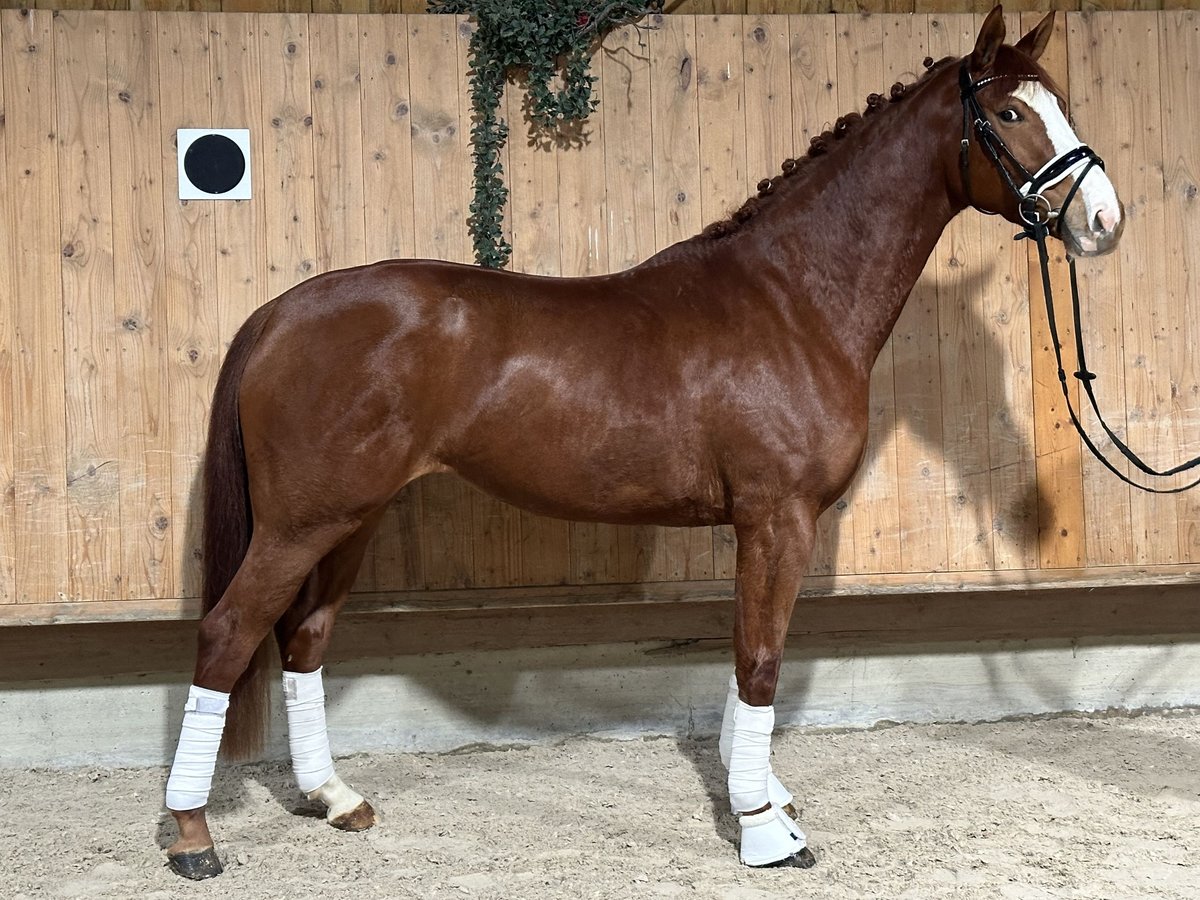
(776, 792)
(196, 756)
(304, 697)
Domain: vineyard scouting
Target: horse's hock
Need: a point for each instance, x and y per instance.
(975, 516)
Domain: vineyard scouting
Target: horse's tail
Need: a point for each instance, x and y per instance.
(228, 523)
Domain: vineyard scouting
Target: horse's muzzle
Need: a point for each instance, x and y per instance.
(1091, 238)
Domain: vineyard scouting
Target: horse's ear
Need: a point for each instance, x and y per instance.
(991, 36)
(1034, 44)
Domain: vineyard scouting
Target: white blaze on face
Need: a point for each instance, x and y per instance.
(1098, 194)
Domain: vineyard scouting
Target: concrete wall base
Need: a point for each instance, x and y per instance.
(442, 702)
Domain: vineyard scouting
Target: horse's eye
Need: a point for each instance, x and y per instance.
(1010, 115)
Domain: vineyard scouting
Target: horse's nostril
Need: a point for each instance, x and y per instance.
(1106, 220)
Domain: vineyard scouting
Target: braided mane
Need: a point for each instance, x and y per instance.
(819, 146)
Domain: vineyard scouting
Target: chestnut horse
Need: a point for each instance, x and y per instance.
(722, 381)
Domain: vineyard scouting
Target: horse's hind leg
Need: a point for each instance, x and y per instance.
(772, 555)
(303, 634)
(265, 585)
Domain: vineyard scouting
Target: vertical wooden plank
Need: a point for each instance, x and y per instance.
(440, 167)
(625, 108)
(1005, 306)
(1151, 356)
(8, 511)
(876, 520)
(337, 141)
(766, 53)
(1094, 102)
(628, 159)
(720, 97)
(39, 415)
(721, 92)
(86, 239)
(583, 216)
(814, 102)
(287, 184)
(241, 224)
(679, 553)
(960, 272)
(394, 558)
(1179, 61)
(1059, 466)
(190, 285)
(148, 517)
(916, 365)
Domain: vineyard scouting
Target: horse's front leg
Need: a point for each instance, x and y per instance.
(772, 555)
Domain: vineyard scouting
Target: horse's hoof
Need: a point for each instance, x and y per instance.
(360, 818)
(196, 865)
(801, 859)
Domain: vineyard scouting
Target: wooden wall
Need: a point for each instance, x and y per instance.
(682, 7)
(120, 299)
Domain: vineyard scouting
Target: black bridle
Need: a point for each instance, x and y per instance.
(1041, 219)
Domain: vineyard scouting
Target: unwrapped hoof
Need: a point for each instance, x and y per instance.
(196, 865)
(802, 859)
(360, 818)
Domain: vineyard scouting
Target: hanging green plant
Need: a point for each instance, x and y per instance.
(542, 38)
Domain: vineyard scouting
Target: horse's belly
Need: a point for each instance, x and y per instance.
(584, 485)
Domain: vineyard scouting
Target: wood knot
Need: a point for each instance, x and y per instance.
(68, 251)
(290, 48)
(124, 96)
(760, 34)
(390, 59)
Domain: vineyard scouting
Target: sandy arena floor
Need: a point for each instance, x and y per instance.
(1070, 807)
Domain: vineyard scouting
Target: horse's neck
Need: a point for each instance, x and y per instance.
(854, 239)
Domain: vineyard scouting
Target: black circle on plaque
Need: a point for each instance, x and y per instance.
(214, 163)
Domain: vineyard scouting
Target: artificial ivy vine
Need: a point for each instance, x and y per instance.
(543, 38)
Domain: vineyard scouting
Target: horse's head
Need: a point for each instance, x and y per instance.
(1021, 157)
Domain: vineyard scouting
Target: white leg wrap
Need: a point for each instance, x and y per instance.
(776, 792)
(304, 697)
(196, 755)
(750, 756)
(337, 797)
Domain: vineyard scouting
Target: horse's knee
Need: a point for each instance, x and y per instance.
(757, 678)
